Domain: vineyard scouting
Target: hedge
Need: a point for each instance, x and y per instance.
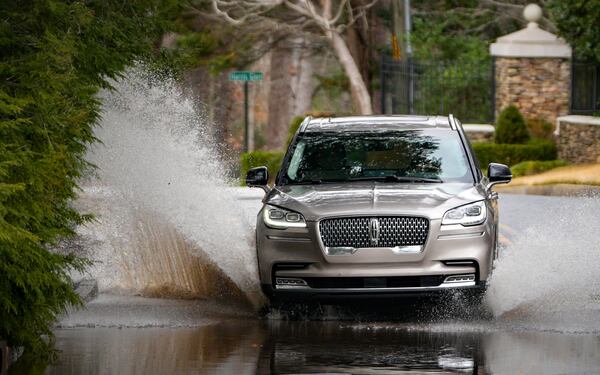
(530, 167)
(55, 56)
(511, 154)
(271, 159)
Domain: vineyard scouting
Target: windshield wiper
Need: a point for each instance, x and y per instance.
(394, 178)
(390, 178)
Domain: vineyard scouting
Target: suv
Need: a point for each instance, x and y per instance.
(377, 205)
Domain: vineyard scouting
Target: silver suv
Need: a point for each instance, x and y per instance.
(377, 205)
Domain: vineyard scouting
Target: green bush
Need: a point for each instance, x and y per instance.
(540, 128)
(511, 128)
(526, 168)
(270, 159)
(510, 154)
(296, 121)
(54, 56)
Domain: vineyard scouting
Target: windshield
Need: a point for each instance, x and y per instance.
(423, 155)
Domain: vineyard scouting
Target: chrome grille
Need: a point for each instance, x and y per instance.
(354, 231)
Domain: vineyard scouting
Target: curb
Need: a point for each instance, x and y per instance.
(554, 190)
(87, 289)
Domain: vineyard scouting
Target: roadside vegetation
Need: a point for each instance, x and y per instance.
(586, 174)
(528, 168)
(55, 56)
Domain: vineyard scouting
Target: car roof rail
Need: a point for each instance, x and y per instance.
(304, 123)
(452, 121)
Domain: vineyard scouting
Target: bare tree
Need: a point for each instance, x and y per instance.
(325, 18)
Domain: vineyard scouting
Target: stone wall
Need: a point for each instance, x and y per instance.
(479, 132)
(539, 87)
(578, 139)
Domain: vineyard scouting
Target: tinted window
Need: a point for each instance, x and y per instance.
(429, 153)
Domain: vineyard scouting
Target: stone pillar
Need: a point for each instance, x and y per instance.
(532, 70)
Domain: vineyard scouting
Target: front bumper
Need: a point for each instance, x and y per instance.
(298, 253)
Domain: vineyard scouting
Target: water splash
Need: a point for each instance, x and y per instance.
(168, 223)
(549, 275)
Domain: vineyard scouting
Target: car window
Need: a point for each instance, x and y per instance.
(421, 153)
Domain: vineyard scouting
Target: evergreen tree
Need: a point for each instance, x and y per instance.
(54, 56)
(511, 127)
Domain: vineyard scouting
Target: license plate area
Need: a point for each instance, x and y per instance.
(375, 282)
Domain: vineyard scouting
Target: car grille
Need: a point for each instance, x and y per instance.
(374, 282)
(393, 231)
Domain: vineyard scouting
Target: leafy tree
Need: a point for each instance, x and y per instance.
(54, 56)
(511, 128)
(325, 19)
(577, 21)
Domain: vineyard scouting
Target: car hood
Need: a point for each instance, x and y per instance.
(430, 200)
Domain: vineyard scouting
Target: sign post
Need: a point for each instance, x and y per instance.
(246, 77)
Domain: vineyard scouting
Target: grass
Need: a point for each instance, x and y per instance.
(585, 174)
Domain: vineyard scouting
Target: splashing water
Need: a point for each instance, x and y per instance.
(551, 269)
(168, 222)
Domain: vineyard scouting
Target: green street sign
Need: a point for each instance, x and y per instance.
(245, 76)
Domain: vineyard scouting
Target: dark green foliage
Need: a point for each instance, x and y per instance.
(511, 128)
(270, 159)
(450, 41)
(511, 154)
(578, 22)
(527, 168)
(540, 128)
(54, 56)
(296, 122)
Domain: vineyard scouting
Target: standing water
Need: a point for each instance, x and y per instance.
(548, 278)
(167, 220)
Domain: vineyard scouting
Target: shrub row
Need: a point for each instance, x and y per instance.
(527, 168)
(511, 154)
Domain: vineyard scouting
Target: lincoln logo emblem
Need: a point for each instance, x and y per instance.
(374, 231)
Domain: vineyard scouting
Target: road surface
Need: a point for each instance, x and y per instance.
(134, 335)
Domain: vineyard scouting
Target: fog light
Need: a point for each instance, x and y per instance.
(460, 278)
(289, 282)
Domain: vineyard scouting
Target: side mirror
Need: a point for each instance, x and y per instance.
(498, 174)
(258, 177)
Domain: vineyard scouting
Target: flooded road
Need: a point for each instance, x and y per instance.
(283, 347)
(536, 330)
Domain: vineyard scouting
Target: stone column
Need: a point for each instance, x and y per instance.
(533, 70)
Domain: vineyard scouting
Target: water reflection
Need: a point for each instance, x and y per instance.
(266, 347)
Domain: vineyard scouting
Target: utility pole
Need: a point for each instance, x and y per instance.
(409, 56)
(397, 31)
(246, 120)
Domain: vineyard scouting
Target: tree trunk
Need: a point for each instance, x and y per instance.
(360, 94)
(303, 82)
(280, 98)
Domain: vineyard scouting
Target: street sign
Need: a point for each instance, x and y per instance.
(245, 76)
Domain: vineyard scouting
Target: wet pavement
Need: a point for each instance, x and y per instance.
(276, 347)
(546, 333)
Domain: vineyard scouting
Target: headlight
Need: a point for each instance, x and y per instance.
(470, 214)
(275, 217)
